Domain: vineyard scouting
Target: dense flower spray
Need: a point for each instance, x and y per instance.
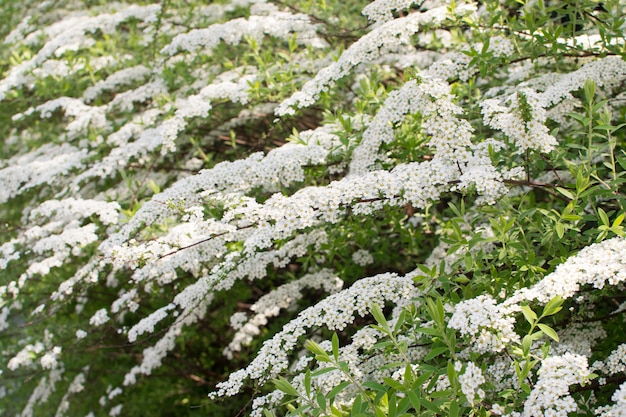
(312, 208)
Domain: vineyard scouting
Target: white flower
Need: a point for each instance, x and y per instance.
(362, 257)
(99, 318)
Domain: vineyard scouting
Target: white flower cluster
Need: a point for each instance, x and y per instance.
(49, 359)
(57, 236)
(115, 80)
(471, 379)
(380, 11)
(615, 363)
(500, 46)
(278, 24)
(45, 165)
(177, 247)
(21, 30)
(523, 122)
(486, 324)
(25, 356)
(619, 408)
(362, 257)
(382, 40)
(270, 305)
(490, 325)
(70, 34)
(147, 324)
(77, 385)
(99, 317)
(43, 390)
(280, 167)
(334, 312)
(550, 396)
(85, 116)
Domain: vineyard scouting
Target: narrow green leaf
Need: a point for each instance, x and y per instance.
(430, 405)
(549, 331)
(404, 405)
(526, 343)
(335, 342)
(429, 330)
(340, 387)
(422, 379)
(618, 220)
(529, 314)
(451, 372)
(560, 230)
(400, 321)
(434, 352)
(315, 348)
(454, 409)
(356, 406)
(535, 336)
(373, 385)
(380, 317)
(553, 306)
(321, 400)
(285, 386)
(408, 375)
(392, 405)
(323, 371)
(415, 401)
(394, 384)
(603, 217)
(566, 193)
(307, 383)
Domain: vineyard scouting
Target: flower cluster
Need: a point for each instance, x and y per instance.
(430, 192)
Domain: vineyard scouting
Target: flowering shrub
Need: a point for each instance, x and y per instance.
(333, 208)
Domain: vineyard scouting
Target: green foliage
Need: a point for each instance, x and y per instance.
(457, 247)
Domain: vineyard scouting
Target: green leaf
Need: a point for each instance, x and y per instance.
(549, 331)
(415, 401)
(392, 383)
(430, 405)
(408, 375)
(553, 306)
(429, 330)
(307, 383)
(618, 220)
(566, 193)
(603, 217)
(434, 352)
(336, 390)
(320, 354)
(560, 229)
(373, 385)
(285, 386)
(380, 318)
(323, 371)
(400, 321)
(321, 400)
(526, 344)
(454, 409)
(529, 314)
(392, 405)
(335, 342)
(356, 406)
(422, 379)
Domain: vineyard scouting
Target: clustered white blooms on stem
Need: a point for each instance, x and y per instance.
(175, 234)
